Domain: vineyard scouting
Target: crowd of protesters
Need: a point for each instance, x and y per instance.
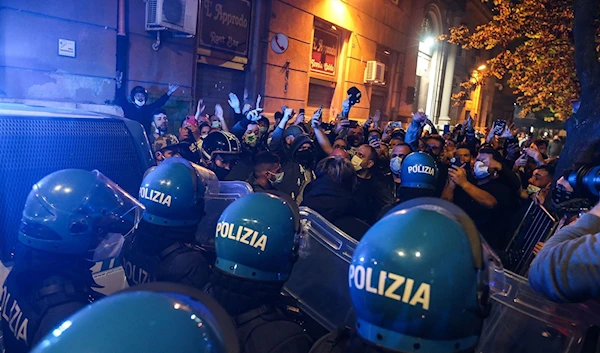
(350, 172)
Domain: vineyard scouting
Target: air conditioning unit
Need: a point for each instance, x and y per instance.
(375, 72)
(177, 15)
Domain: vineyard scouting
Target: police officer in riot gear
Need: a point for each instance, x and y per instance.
(152, 318)
(257, 241)
(418, 178)
(420, 291)
(220, 152)
(72, 219)
(162, 247)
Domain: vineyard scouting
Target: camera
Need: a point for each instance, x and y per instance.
(586, 180)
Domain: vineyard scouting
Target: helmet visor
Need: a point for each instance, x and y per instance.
(210, 180)
(119, 214)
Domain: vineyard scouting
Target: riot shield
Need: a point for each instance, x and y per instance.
(319, 281)
(214, 205)
(522, 321)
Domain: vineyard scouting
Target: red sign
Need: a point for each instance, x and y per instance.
(324, 52)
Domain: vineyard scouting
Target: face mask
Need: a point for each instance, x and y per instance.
(480, 170)
(356, 163)
(278, 178)
(250, 140)
(221, 172)
(215, 124)
(306, 157)
(203, 136)
(262, 130)
(139, 103)
(532, 189)
(395, 164)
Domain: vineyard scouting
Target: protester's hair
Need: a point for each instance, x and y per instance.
(203, 124)
(263, 160)
(337, 169)
(438, 138)
(549, 168)
(466, 147)
(405, 144)
(264, 119)
(540, 142)
(159, 111)
(495, 154)
(377, 131)
(372, 154)
(252, 123)
(278, 115)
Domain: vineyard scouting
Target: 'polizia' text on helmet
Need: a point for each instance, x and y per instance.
(173, 192)
(419, 280)
(256, 237)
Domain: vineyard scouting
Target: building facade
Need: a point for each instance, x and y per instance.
(300, 53)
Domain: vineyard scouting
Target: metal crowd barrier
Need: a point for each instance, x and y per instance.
(536, 226)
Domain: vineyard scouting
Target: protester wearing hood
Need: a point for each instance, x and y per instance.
(373, 189)
(138, 109)
(283, 137)
(331, 195)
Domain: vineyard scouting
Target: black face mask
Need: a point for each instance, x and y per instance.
(306, 157)
(221, 172)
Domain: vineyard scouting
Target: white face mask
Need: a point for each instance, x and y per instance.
(215, 124)
(356, 163)
(395, 164)
(203, 136)
(278, 178)
(532, 189)
(139, 103)
(480, 170)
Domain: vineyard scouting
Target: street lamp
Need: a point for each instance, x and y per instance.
(481, 67)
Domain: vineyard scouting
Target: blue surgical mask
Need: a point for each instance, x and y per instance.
(215, 124)
(395, 164)
(480, 170)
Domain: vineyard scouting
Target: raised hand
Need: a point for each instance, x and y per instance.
(219, 111)
(200, 108)
(172, 88)
(234, 102)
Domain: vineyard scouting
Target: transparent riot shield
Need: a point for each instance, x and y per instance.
(214, 205)
(522, 321)
(319, 281)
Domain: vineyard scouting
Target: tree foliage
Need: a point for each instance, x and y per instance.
(533, 45)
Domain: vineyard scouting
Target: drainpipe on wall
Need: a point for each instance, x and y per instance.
(122, 50)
